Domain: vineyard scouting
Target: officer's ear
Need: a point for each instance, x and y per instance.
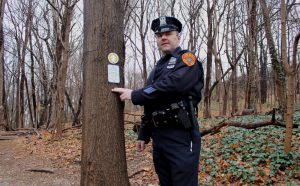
(179, 35)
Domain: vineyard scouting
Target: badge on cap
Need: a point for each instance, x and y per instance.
(189, 59)
(162, 21)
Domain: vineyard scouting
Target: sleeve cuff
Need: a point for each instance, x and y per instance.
(144, 135)
(137, 98)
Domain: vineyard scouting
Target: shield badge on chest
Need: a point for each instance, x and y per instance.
(171, 63)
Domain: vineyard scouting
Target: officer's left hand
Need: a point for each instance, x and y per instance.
(125, 93)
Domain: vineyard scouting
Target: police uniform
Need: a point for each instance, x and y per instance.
(172, 93)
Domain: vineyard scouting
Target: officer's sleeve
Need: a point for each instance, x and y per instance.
(144, 133)
(180, 81)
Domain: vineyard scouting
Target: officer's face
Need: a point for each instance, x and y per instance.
(167, 42)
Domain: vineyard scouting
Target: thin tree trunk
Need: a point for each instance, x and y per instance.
(252, 89)
(234, 95)
(210, 11)
(3, 108)
(33, 90)
(291, 75)
(263, 74)
(276, 65)
(61, 65)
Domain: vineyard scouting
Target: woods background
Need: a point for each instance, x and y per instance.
(248, 50)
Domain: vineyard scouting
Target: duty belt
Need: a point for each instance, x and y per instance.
(176, 115)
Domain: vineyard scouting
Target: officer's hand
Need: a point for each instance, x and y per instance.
(125, 93)
(140, 145)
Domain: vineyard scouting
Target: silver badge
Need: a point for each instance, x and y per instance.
(170, 66)
(172, 61)
(162, 21)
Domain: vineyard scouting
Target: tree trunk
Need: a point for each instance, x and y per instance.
(103, 146)
(234, 95)
(291, 75)
(263, 74)
(3, 118)
(252, 89)
(276, 65)
(33, 90)
(61, 64)
(210, 11)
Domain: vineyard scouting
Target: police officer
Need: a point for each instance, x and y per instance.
(172, 93)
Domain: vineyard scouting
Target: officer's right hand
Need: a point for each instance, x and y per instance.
(140, 145)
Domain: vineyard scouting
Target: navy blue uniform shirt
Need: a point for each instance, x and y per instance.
(171, 81)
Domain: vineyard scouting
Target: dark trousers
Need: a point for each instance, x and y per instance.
(176, 154)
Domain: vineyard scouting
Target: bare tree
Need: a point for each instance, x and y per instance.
(276, 65)
(290, 70)
(3, 112)
(62, 28)
(252, 59)
(210, 11)
(142, 21)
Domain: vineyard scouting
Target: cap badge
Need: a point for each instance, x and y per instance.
(189, 59)
(162, 21)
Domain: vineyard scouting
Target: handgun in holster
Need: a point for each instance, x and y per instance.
(183, 116)
(193, 115)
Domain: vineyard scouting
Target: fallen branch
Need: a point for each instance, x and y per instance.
(224, 123)
(41, 170)
(7, 137)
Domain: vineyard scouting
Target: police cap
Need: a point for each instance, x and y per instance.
(166, 24)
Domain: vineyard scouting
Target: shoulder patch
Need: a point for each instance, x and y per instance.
(189, 59)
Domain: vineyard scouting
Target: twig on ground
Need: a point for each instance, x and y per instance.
(41, 170)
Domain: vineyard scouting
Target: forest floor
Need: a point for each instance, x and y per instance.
(26, 160)
(231, 157)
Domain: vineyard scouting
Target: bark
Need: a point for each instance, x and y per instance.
(252, 53)
(28, 28)
(210, 11)
(76, 119)
(3, 108)
(61, 60)
(76, 113)
(276, 65)
(263, 74)
(33, 89)
(233, 78)
(291, 75)
(103, 145)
